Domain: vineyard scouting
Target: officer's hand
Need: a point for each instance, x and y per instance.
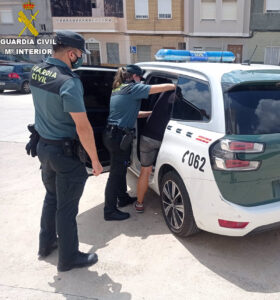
(96, 168)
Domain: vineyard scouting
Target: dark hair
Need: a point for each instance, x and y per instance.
(121, 77)
(60, 47)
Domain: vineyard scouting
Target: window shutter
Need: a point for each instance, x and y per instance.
(272, 5)
(141, 9)
(164, 9)
(229, 11)
(208, 9)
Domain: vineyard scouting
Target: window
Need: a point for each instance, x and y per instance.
(93, 3)
(6, 17)
(141, 9)
(164, 9)
(229, 10)
(272, 5)
(182, 46)
(6, 69)
(27, 68)
(94, 57)
(113, 53)
(272, 56)
(43, 27)
(193, 101)
(143, 53)
(208, 9)
(253, 108)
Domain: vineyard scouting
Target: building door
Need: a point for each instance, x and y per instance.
(237, 50)
(94, 57)
(143, 53)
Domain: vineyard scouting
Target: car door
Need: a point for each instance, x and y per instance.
(97, 85)
(154, 77)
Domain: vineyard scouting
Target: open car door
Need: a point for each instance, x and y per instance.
(97, 83)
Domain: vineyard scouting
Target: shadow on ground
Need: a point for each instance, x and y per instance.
(251, 263)
(85, 284)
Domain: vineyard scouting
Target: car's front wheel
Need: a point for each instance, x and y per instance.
(176, 205)
(25, 88)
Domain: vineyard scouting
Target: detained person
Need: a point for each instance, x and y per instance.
(125, 104)
(150, 142)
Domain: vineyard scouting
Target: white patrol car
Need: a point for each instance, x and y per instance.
(218, 165)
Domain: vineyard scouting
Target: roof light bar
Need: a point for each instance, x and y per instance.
(186, 55)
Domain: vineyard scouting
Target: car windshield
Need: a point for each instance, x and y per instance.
(253, 108)
(7, 69)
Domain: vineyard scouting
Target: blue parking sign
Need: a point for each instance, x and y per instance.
(133, 49)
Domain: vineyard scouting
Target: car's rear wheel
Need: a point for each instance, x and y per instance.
(25, 88)
(176, 205)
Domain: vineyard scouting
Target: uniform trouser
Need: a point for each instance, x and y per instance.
(64, 179)
(116, 186)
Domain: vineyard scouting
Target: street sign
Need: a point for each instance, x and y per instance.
(133, 49)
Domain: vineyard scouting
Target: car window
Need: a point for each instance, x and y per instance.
(97, 88)
(253, 108)
(6, 69)
(26, 68)
(156, 79)
(193, 101)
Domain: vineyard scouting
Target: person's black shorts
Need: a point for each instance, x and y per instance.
(148, 150)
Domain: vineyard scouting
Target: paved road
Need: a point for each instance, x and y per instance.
(138, 258)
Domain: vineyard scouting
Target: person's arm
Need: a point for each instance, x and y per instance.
(86, 136)
(159, 88)
(144, 114)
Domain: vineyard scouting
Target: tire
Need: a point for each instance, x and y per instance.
(176, 205)
(25, 88)
(1, 91)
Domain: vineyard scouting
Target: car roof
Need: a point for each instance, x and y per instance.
(206, 68)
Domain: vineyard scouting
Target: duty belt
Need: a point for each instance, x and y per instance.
(57, 142)
(118, 128)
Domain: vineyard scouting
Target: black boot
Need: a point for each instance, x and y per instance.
(126, 200)
(116, 215)
(46, 251)
(82, 260)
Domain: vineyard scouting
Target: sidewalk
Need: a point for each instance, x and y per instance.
(138, 258)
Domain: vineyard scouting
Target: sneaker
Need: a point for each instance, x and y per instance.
(139, 207)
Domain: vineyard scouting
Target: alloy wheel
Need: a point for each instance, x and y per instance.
(173, 204)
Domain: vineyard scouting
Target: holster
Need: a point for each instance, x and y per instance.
(81, 152)
(126, 140)
(31, 146)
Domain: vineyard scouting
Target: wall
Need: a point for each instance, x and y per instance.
(262, 21)
(153, 23)
(217, 27)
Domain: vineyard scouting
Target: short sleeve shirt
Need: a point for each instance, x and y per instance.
(54, 100)
(125, 104)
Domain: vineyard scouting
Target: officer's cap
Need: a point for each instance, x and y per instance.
(134, 69)
(71, 39)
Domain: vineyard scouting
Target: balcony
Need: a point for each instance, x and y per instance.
(89, 24)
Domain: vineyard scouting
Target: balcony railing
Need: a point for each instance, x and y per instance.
(88, 24)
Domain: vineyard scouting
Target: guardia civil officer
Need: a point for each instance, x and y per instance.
(59, 115)
(124, 108)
